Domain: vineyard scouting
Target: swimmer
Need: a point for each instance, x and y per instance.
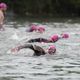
(41, 29)
(53, 38)
(37, 28)
(3, 8)
(33, 27)
(37, 49)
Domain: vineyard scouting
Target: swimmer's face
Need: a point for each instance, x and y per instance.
(51, 51)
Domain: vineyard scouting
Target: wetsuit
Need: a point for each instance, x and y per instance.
(30, 30)
(37, 50)
(39, 40)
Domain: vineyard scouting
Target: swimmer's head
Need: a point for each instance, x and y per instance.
(3, 6)
(33, 27)
(51, 49)
(65, 35)
(41, 29)
(54, 38)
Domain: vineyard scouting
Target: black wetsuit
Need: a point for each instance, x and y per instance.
(39, 40)
(37, 50)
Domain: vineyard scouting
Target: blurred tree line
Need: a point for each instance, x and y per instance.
(44, 7)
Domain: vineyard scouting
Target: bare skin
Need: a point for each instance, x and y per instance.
(1, 20)
(2, 10)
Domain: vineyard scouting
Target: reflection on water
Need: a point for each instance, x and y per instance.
(64, 65)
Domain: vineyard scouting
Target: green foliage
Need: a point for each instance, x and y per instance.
(44, 7)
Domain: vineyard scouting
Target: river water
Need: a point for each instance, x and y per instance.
(64, 65)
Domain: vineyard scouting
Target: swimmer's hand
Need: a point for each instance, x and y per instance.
(16, 49)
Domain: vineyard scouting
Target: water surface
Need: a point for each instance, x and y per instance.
(64, 65)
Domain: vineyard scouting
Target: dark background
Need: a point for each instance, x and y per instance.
(50, 8)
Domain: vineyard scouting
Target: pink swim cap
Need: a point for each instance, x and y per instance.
(3, 5)
(54, 37)
(51, 49)
(64, 35)
(33, 27)
(41, 29)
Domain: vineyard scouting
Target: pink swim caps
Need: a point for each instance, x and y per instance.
(54, 37)
(51, 49)
(65, 35)
(3, 5)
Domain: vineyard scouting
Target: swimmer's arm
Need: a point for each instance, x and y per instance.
(1, 21)
(1, 18)
(25, 46)
(21, 47)
(34, 40)
(39, 40)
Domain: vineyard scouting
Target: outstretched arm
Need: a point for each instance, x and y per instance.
(21, 47)
(39, 40)
(37, 49)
